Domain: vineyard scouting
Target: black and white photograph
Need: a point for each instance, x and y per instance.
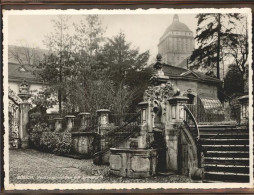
(122, 99)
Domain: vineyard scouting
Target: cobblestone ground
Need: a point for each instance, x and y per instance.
(31, 166)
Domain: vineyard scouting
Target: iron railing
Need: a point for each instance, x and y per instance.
(126, 129)
(205, 115)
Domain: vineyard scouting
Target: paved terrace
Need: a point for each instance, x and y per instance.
(31, 166)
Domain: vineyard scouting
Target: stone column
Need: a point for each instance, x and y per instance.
(58, 124)
(70, 122)
(145, 124)
(103, 120)
(172, 132)
(84, 121)
(24, 108)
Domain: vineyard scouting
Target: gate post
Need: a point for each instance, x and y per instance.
(24, 108)
(172, 132)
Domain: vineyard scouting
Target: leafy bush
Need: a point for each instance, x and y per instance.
(63, 143)
(48, 141)
(36, 133)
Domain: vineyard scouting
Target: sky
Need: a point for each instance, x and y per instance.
(143, 31)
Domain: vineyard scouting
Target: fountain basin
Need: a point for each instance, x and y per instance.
(133, 163)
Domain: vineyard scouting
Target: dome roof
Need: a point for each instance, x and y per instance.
(177, 26)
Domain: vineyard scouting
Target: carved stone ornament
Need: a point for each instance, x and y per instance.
(24, 87)
(161, 92)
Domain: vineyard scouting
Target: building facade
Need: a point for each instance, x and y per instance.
(176, 44)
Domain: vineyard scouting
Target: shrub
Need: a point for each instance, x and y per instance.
(48, 141)
(36, 133)
(63, 143)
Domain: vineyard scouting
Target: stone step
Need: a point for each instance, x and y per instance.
(233, 154)
(225, 141)
(226, 161)
(226, 147)
(227, 177)
(226, 168)
(225, 136)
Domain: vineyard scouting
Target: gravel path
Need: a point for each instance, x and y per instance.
(31, 166)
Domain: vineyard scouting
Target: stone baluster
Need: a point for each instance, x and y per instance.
(70, 122)
(176, 117)
(58, 124)
(84, 120)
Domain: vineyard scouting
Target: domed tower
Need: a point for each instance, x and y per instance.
(176, 44)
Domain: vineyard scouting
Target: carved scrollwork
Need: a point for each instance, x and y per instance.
(161, 92)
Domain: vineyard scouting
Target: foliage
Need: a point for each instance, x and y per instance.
(63, 143)
(45, 98)
(233, 82)
(90, 72)
(35, 134)
(48, 141)
(215, 33)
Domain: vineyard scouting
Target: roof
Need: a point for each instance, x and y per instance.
(177, 26)
(177, 72)
(18, 73)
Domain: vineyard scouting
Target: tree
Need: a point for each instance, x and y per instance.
(57, 64)
(215, 32)
(125, 66)
(233, 82)
(240, 50)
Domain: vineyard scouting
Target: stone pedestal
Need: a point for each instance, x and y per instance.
(176, 108)
(103, 117)
(84, 120)
(171, 139)
(58, 124)
(176, 116)
(70, 122)
(24, 108)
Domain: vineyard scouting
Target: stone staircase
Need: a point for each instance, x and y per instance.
(226, 153)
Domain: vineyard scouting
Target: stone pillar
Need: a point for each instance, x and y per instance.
(172, 132)
(103, 120)
(84, 121)
(70, 122)
(58, 124)
(24, 108)
(145, 123)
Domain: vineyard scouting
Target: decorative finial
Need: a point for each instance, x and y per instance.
(24, 91)
(24, 87)
(176, 18)
(158, 57)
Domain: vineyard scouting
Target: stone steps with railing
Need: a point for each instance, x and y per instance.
(226, 153)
